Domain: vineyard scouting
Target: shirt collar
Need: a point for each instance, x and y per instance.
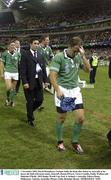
(67, 57)
(18, 49)
(32, 52)
(10, 53)
(65, 54)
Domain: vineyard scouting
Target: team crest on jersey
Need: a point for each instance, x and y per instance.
(67, 68)
(47, 52)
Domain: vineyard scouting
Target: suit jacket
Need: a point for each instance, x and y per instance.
(109, 69)
(28, 69)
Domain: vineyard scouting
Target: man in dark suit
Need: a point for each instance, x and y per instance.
(33, 75)
(109, 73)
(109, 69)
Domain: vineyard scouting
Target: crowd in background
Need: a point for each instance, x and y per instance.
(78, 23)
(64, 19)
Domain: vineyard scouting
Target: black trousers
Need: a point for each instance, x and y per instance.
(34, 99)
(18, 84)
(93, 75)
(19, 80)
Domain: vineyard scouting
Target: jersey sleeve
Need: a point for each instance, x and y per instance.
(55, 64)
(81, 62)
(51, 54)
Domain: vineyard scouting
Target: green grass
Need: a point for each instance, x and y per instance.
(23, 147)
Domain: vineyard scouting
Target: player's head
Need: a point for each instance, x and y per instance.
(11, 46)
(34, 43)
(17, 44)
(45, 40)
(75, 43)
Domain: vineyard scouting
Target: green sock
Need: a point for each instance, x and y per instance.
(76, 132)
(59, 131)
(8, 94)
(12, 94)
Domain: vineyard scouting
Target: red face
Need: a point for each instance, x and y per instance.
(17, 44)
(46, 41)
(12, 47)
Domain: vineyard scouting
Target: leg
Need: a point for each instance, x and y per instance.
(94, 73)
(8, 89)
(59, 126)
(79, 115)
(13, 92)
(29, 104)
(59, 130)
(91, 77)
(38, 99)
(18, 85)
(19, 80)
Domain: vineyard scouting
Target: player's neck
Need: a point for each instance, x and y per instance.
(70, 52)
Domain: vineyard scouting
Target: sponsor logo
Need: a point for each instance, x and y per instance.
(11, 172)
(1, 171)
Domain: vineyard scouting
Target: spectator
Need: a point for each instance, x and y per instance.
(94, 64)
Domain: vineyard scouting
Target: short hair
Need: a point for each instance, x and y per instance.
(16, 40)
(43, 37)
(10, 42)
(31, 40)
(74, 41)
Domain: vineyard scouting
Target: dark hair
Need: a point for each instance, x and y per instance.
(43, 37)
(11, 41)
(31, 40)
(74, 41)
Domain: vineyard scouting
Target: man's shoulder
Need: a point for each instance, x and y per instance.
(5, 52)
(26, 52)
(22, 51)
(39, 54)
(59, 55)
(49, 47)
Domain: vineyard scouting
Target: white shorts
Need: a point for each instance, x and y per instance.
(14, 76)
(73, 93)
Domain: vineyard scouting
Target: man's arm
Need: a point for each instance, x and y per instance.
(1, 68)
(23, 71)
(53, 79)
(86, 65)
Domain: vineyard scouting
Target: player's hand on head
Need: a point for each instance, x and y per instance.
(82, 51)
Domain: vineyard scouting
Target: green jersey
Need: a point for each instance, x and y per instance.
(67, 69)
(11, 61)
(47, 53)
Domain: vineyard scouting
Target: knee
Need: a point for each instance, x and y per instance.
(8, 88)
(81, 119)
(62, 118)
